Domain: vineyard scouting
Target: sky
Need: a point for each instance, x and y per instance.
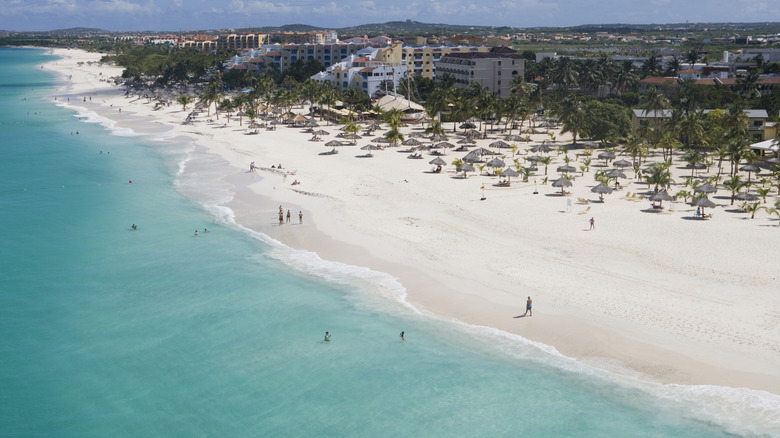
(183, 15)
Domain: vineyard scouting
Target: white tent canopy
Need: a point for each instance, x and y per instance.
(770, 145)
(389, 102)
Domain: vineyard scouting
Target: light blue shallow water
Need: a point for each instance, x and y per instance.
(107, 331)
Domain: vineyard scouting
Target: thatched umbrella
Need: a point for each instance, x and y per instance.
(695, 166)
(616, 174)
(467, 140)
(660, 197)
(562, 182)
(622, 163)
(606, 156)
(465, 168)
(443, 144)
(472, 158)
(334, 143)
(510, 173)
(601, 189)
(496, 162)
(705, 188)
(746, 197)
(500, 145)
(438, 162)
(703, 203)
(411, 142)
(566, 169)
(749, 168)
(543, 148)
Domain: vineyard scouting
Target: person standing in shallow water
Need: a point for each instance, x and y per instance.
(300, 217)
(288, 216)
(403, 336)
(327, 336)
(528, 305)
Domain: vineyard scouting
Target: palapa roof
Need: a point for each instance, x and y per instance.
(389, 102)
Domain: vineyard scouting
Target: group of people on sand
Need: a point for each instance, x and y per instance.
(327, 336)
(282, 216)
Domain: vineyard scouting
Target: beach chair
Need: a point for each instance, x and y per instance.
(584, 211)
(583, 201)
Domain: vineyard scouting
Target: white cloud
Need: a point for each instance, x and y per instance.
(15, 7)
(261, 7)
(121, 7)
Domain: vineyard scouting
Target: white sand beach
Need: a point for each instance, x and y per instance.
(656, 293)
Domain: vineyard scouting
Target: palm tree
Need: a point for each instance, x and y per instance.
(659, 176)
(734, 184)
(752, 208)
(209, 96)
(625, 76)
(546, 160)
(327, 97)
(352, 128)
(636, 147)
(651, 66)
(748, 85)
(653, 101)
(668, 143)
(184, 100)
(692, 128)
(673, 66)
(565, 73)
(692, 57)
(394, 135)
(763, 192)
(435, 128)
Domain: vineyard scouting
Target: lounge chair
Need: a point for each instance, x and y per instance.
(584, 211)
(583, 201)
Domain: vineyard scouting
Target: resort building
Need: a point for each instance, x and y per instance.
(758, 126)
(493, 70)
(367, 70)
(242, 41)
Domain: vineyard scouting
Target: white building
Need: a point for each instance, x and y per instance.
(363, 71)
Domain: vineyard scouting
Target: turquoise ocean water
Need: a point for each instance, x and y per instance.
(109, 331)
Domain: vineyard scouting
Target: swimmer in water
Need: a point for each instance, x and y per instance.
(403, 336)
(327, 336)
(135, 227)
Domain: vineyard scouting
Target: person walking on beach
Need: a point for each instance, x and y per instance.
(288, 216)
(327, 336)
(528, 305)
(592, 223)
(300, 217)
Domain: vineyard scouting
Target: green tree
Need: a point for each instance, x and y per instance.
(184, 100)
(659, 176)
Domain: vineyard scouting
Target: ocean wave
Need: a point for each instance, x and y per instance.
(87, 116)
(741, 411)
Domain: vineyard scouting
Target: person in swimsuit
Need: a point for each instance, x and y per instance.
(327, 336)
(528, 305)
(403, 336)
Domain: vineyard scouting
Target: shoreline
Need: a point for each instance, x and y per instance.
(601, 297)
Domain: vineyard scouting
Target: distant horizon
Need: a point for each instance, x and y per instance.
(286, 25)
(176, 16)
